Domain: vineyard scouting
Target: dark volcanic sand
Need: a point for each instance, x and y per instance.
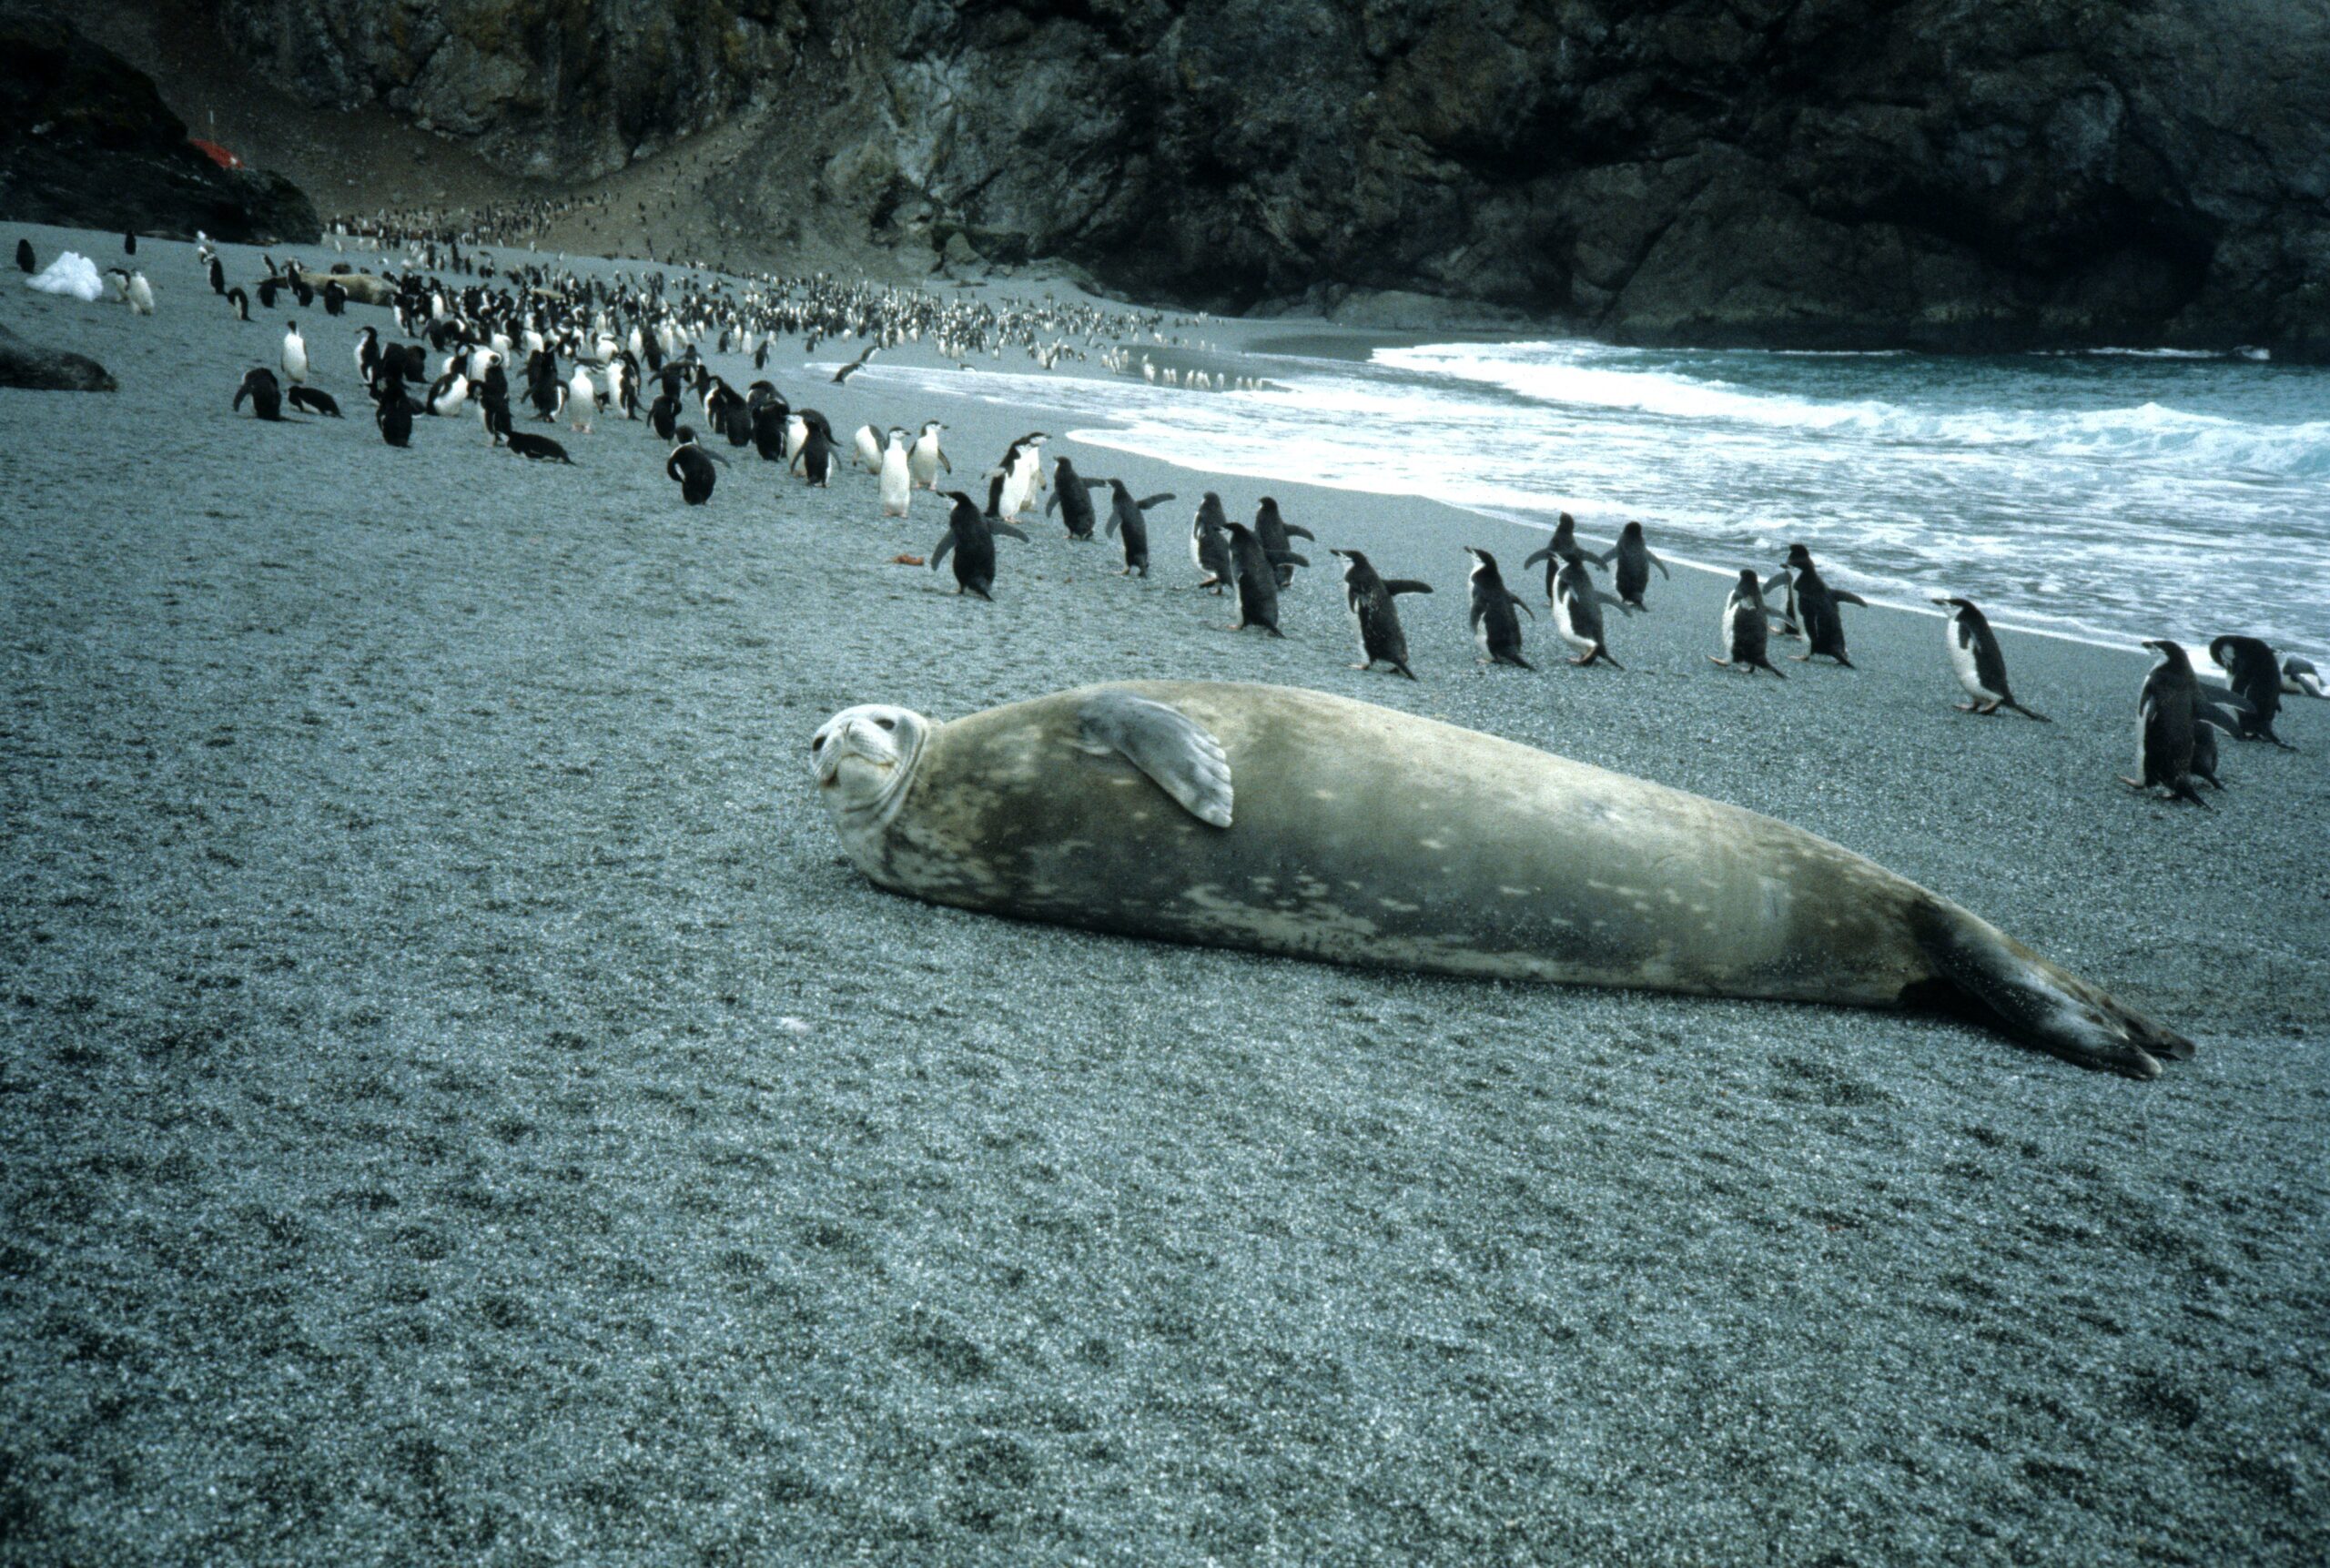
(456, 1104)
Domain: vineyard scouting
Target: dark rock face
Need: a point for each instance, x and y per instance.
(85, 141)
(1950, 174)
(39, 370)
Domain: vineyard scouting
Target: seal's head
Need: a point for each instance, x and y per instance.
(862, 759)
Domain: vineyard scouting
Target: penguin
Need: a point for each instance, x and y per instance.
(139, 295)
(1073, 498)
(664, 416)
(452, 390)
(1974, 654)
(770, 416)
(1125, 520)
(2168, 713)
(536, 448)
(335, 299)
(368, 353)
(818, 455)
(692, 467)
(1578, 613)
(2300, 678)
(267, 293)
(295, 353)
(1556, 552)
(1368, 597)
(217, 276)
(394, 414)
(129, 243)
(583, 398)
(927, 459)
(25, 257)
(1494, 625)
(1023, 474)
(2256, 676)
(1815, 603)
(897, 488)
(971, 536)
(1278, 535)
(314, 401)
(796, 434)
(1210, 544)
(241, 303)
(1255, 571)
(1635, 559)
(265, 392)
(866, 446)
(1746, 633)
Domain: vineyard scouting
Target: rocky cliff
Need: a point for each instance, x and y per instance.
(1955, 174)
(85, 140)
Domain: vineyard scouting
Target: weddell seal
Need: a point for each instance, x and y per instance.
(1296, 823)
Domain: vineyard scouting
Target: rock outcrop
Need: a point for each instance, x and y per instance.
(86, 142)
(1952, 174)
(35, 368)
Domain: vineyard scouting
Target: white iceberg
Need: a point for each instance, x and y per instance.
(70, 273)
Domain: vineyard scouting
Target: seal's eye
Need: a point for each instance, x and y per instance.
(817, 740)
(888, 723)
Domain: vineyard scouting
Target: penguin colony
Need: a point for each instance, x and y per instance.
(633, 346)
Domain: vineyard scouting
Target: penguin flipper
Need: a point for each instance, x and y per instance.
(1174, 750)
(1297, 531)
(1095, 484)
(1537, 555)
(1405, 585)
(1614, 602)
(2222, 716)
(1847, 596)
(1146, 502)
(1287, 558)
(1777, 581)
(1111, 530)
(1051, 503)
(1660, 564)
(945, 544)
(1520, 605)
(1000, 526)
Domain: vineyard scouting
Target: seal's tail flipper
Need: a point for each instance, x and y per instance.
(2038, 1002)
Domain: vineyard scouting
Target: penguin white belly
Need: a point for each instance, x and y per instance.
(897, 486)
(1734, 609)
(1563, 624)
(1961, 660)
(796, 436)
(869, 451)
(925, 462)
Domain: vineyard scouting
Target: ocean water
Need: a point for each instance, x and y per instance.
(2110, 496)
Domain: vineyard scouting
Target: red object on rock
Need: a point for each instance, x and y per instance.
(217, 154)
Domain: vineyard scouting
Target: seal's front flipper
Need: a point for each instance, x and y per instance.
(2038, 1002)
(1164, 743)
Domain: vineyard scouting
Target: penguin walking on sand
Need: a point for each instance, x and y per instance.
(583, 398)
(1023, 474)
(1255, 570)
(1556, 552)
(1974, 654)
(138, 295)
(1278, 536)
(25, 257)
(1210, 545)
(866, 446)
(2256, 676)
(1369, 596)
(1814, 604)
(1578, 613)
(368, 354)
(819, 454)
(295, 353)
(897, 484)
(927, 459)
(1126, 521)
(1071, 496)
(1746, 627)
(1634, 558)
(393, 413)
(265, 392)
(2301, 679)
(691, 466)
(970, 538)
(217, 276)
(1495, 627)
(2168, 716)
(239, 303)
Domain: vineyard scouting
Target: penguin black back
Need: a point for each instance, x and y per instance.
(1126, 519)
(2255, 674)
(1496, 626)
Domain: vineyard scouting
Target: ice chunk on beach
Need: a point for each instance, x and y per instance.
(70, 273)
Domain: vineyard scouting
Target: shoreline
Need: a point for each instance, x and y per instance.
(463, 1104)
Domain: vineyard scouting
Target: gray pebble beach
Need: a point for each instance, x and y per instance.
(457, 1104)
